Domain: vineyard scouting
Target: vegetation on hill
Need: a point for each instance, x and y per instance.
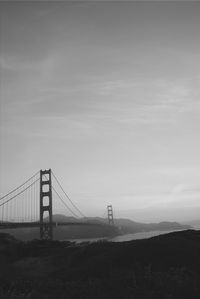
(167, 266)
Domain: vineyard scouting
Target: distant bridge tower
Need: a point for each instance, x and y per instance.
(46, 227)
(110, 215)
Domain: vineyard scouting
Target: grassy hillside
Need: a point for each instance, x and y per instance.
(167, 266)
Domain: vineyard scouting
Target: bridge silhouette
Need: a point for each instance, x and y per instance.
(31, 205)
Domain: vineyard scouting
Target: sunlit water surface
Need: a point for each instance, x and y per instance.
(129, 237)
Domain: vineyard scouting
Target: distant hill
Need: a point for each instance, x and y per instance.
(63, 218)
(195, 222)
(127, 225)
(122, 226)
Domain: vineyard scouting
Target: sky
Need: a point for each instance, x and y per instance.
(107, 95)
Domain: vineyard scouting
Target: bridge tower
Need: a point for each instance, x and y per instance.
(110, 215)
(46, 227)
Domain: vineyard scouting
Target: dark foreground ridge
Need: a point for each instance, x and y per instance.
(166, 266)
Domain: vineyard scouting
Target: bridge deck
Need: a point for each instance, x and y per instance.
(7, 225)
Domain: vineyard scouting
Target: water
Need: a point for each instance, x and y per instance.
(129, 237)
(138, 236)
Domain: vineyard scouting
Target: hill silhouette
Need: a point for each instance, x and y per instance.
(166, 266)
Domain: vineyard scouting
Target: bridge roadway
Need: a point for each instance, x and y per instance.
(6, 225)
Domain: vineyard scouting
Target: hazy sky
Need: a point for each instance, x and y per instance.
(107, 94)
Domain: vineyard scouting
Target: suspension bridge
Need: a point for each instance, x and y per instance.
(31, 205)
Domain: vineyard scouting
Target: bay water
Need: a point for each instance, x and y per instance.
(129, 237)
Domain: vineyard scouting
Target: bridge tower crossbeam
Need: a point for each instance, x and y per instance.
(46, 226)
(110, 215)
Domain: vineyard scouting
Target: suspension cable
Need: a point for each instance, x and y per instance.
(63, 200)
(19, 186)
(64, 203)
(19, 193)
(68, 197)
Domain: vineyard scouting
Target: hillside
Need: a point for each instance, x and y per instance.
(167, 266)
